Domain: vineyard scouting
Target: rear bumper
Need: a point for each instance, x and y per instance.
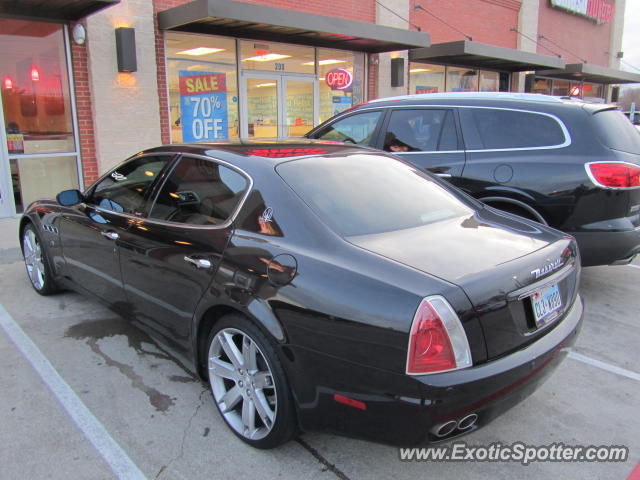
(606, 248)
(401, 410)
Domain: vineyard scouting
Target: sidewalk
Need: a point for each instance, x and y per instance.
(9, 233)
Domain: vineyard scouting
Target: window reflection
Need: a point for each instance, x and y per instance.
(35, 87)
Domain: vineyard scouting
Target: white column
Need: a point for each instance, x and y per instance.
(125, 106)
(528, 25)
(385, 17)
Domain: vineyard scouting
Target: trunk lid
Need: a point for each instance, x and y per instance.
(501, 263)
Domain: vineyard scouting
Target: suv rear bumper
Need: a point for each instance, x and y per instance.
(606, 248)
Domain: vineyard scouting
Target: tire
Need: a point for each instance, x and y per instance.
(252, 396)
(36, 262)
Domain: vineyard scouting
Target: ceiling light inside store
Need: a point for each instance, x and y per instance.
(418, 70)
(328, 61)
(265, 85)
(269, 57)
(200, 51)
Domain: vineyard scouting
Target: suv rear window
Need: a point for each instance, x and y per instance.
(616, 131)
(366, 193)
(494, 129)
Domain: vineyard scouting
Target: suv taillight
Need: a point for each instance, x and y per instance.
(437, 342)
(614, 174)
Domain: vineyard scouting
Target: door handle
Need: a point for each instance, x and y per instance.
(198, 262)
(110, 235)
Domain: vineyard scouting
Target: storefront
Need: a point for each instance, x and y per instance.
(222, 88)
(39, 155)
(222, 69)
(466, 66)
(247, 84)
(579, 80)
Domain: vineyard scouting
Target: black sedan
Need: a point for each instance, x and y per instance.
(318, 285)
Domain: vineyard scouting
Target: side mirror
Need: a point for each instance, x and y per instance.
(68, 198)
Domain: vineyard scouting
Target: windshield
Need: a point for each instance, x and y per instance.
(364, 194)
(617, 132)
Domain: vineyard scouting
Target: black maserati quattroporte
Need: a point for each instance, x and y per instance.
(318, 285)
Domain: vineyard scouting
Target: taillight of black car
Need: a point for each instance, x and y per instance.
(438, 342)
(616, 175)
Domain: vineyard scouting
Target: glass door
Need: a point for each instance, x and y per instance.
(39, 153)
(299, 111)
(261, 106)
(276, 105)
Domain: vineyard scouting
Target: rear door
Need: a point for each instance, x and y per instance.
(169, 258)
(427, 137)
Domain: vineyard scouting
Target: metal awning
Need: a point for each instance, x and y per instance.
(61, 10)
(466, 53)
(587, 72)
(258, 22)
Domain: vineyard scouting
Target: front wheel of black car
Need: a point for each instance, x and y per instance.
(35, 260)
(248, 383)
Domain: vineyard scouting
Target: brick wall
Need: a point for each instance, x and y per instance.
(79, 63)
(487, 21)
(579, 35)
(372, 80)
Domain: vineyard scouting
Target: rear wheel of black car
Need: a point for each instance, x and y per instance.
(248, 383)
(35, 260)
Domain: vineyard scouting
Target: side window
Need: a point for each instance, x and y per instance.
(357, 128)
(490, 128)
(124, 189)
(199, 192)
(424, 130)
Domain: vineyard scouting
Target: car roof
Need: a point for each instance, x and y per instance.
(531, 97)
(532, 101)
(254, 154)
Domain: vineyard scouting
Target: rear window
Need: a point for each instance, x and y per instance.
(366, 193)
(495, 129)
(616, 131)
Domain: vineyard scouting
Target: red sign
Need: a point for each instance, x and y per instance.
(339, 79)
(199, 84)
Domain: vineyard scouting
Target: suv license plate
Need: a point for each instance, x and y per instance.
(544, 303)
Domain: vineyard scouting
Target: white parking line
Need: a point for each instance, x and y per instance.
(95, 432)
(604, 366)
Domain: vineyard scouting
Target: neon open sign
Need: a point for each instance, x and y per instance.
(339, 79)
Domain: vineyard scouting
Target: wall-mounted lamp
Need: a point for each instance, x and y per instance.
(126, 49)
(397, 72)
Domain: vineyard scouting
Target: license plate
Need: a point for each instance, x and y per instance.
(544, 303)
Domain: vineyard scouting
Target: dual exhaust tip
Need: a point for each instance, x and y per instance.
(447, 428)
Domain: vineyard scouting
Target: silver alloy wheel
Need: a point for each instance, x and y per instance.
(242, 383)
(33, 259)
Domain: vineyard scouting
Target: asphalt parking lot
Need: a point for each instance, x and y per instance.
(155, 418)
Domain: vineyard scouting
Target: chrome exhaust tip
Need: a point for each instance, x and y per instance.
(444, 429)
(467, 422)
